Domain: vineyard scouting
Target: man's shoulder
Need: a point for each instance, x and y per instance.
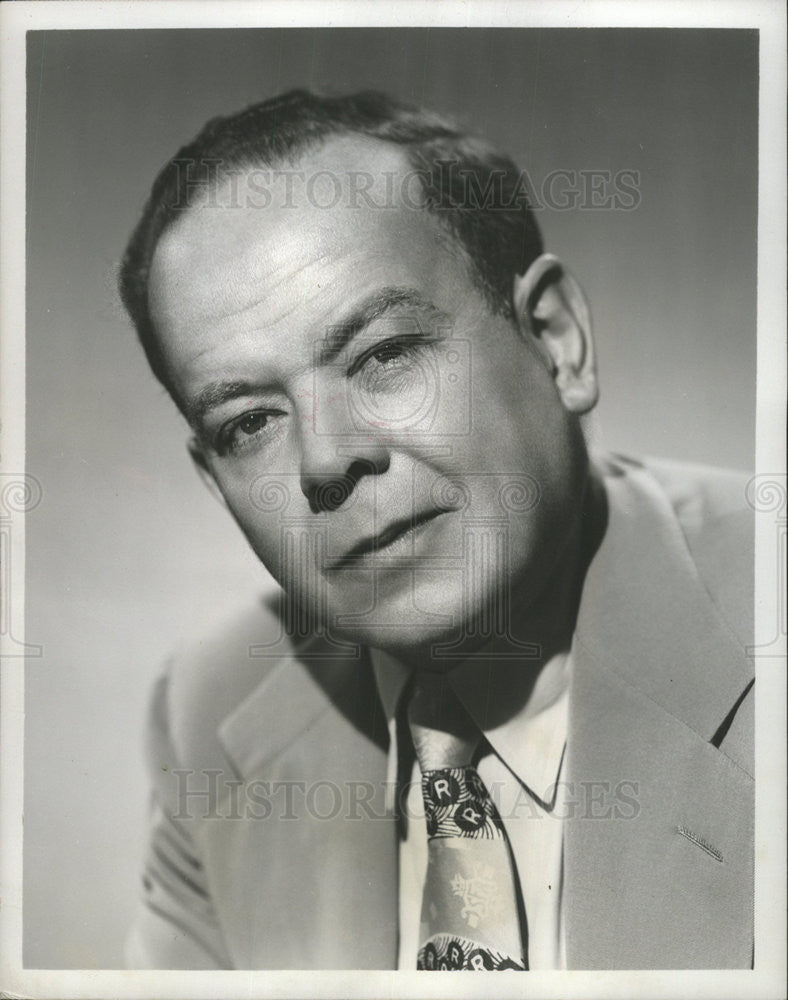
(702, 496)
(240, 672)
(211, 673)
(717, 523)
(698, 493)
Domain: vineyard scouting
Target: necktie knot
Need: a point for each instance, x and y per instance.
(444, 735)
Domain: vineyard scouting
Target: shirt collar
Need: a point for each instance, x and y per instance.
(522, 714)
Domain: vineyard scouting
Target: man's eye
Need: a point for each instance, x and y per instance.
(389, 352)
(387, 355)
(252, 423)
(244, 432)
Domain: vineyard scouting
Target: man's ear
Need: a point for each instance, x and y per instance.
(198, 457)
(550, 307)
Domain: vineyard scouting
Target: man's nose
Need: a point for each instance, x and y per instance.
(334, 460)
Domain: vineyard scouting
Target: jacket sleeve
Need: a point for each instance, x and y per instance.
(175, 926)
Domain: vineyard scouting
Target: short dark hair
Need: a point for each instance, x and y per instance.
(477, 192)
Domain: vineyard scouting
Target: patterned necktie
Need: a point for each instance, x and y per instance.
(470, 918)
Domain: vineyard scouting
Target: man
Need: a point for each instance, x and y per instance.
(384, 374)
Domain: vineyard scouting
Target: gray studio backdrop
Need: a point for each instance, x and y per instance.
(127, 552)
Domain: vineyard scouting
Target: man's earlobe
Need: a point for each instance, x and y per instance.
(198, 457)
(551, 307)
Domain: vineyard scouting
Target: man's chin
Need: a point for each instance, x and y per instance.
(421, 618)
(406, 642)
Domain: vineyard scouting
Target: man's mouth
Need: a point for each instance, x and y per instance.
(385, 542)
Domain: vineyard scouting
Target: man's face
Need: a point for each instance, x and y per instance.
(396, 454)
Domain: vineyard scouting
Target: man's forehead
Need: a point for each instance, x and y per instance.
(344, 172)
(351, 160)
(347, 183)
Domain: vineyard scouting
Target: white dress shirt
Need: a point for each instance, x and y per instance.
(524, 722)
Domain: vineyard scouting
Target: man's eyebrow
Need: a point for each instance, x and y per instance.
(339, 335)
(213, 395)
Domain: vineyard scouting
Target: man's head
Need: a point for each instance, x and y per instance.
(385, 389)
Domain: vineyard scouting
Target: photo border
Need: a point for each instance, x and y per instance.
(770, 815)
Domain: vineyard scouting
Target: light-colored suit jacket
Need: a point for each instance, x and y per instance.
(271, 844)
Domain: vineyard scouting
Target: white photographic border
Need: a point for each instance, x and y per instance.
(767, 980)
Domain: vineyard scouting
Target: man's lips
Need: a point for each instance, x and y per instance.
(378, 543)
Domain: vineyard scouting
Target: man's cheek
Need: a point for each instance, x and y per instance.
(264, 534)
(293, 553)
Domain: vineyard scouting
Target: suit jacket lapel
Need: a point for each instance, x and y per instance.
(314, 881)
(659, 815)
